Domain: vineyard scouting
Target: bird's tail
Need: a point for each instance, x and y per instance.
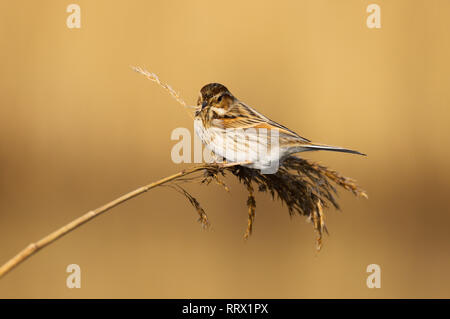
(322, 147)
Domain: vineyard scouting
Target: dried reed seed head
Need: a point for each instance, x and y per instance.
(304, 187)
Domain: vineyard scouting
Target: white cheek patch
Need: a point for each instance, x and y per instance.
(219, 110)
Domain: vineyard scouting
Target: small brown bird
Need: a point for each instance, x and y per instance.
(233, 130)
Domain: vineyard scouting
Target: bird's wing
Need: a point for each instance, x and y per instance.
(246, 117)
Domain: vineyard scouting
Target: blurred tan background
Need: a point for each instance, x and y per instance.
(78, 128)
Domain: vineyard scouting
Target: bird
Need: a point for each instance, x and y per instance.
(237, 132)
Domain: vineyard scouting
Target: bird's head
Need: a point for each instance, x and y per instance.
(216, 97)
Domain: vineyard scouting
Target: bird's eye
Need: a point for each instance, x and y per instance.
(220, 98)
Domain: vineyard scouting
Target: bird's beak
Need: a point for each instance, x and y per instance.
(204, 104)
